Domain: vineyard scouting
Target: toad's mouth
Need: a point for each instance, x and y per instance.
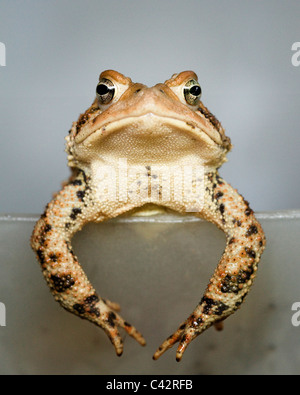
(150, 138)
(151, 125)
(150, 122)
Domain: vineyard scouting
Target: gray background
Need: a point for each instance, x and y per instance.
(241, 52)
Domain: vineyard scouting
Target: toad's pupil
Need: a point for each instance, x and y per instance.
(102, 89)
(195, 90)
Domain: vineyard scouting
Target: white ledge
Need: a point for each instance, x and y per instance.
(163, 218)
(157, 268)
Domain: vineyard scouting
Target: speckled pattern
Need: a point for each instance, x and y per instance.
(162, 125)
(65, 215)
(236, 270)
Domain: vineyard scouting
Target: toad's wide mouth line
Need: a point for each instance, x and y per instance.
(151, 121)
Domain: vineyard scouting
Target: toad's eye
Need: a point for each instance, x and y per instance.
(105, 91)
(192, 92)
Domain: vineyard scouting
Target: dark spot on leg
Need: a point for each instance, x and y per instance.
(207, 303)
(244, 275)
(53, 257)
(219, 180)
(236, 222)
(251, 230)
(111, 319)
(62, 282)
(222, 208)
(90, 304)
(91, 299)
(248, 211)
(41, 257)
(95, 311)
(229, 284)
(75, 212)
(250, 252)
(183, 339)
(221, 307)
(76, 182)
(42, 239)
(80, 195)
(195, 322)
(79, 308)
(218, 195)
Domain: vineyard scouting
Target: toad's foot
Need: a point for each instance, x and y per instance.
(109, 320)
(184, 335)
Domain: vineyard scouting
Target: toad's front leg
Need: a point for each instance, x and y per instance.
(236, 270)
(64, 215)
